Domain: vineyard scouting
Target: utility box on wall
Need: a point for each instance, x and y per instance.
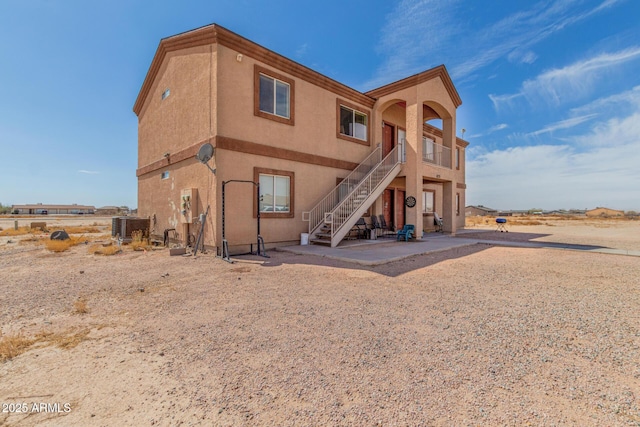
(188, 205)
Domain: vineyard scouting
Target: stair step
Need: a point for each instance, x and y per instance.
(321, 242)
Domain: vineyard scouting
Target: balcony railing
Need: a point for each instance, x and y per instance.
(436, 153)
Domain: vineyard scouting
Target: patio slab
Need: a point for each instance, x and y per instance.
(384, 250)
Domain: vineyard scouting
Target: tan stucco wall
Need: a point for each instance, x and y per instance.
(162, 198)
(311, 183)
(315, 113)
(183, 118)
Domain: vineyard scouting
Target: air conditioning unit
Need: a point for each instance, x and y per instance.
(123, 226)
(115, 226)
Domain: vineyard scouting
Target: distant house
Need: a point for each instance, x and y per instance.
(479, 211)
(41, 209)
(111, 210)
(606, 212)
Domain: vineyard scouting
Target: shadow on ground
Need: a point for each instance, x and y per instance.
(390, 269)
(490, 236)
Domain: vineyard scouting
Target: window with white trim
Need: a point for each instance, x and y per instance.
(353, 123)
(427, 201)
(275, 193)
(275, 96)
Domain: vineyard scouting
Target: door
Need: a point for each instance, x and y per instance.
(387, 207)
(400, 208)
(388, 141)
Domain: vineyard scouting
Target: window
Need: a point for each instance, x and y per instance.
(164, 175)
(457, 157)
(427, 201)
(166, 93)
(352, 123)
(276, 193)
(274, 95)
(457, 204)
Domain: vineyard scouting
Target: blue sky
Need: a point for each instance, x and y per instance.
(550, 89)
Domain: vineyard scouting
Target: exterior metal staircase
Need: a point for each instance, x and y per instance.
(334, 216)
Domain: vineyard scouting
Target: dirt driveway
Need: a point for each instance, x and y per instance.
(479, 335)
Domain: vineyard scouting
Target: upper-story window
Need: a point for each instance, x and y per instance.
(274, 96)
(353, 123)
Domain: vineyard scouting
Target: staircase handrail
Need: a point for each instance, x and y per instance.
(390, 160)
(330, 201)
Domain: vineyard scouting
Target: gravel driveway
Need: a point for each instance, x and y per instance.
(479, 335)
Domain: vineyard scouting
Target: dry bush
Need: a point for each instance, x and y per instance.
(79, 229)
(140, 241)
(525, 221)
(80, 306)
(13, 345)
(19, 232)
(63, 245)
(472, 221)
(31, 238)
(98, 249)
(64, 340)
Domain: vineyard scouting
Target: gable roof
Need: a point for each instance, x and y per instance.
(215, 33)
(416, 79)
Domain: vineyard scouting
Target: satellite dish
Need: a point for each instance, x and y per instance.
(205, 153)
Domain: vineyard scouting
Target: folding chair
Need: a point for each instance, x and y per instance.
(437, 221)
(361, 229)
(406, 232)
(376, 225)
(383, 225)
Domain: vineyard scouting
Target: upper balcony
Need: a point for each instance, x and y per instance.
(435, 153)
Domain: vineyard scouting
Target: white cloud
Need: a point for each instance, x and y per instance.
(491, 130)
(615, 102)
(563, 124)
(568, 83)
(302, 50)
(420, 34)
(522, 57)
(599, 170)
(88, 172)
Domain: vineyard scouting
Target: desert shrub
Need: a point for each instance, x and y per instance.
(140, 241)
(66, 340)
(19, 232)
(99, 249)
(79, 229)
(63, 245)
(80, 306)
(13, 345)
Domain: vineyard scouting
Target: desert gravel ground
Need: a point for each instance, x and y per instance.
(480, 335)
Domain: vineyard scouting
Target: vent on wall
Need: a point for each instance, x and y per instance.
(166, 93)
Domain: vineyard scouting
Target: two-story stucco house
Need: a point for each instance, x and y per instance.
(323, 153)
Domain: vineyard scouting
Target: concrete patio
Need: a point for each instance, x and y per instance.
(387, 249)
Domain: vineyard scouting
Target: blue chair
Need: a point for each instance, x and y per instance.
(407, 232)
